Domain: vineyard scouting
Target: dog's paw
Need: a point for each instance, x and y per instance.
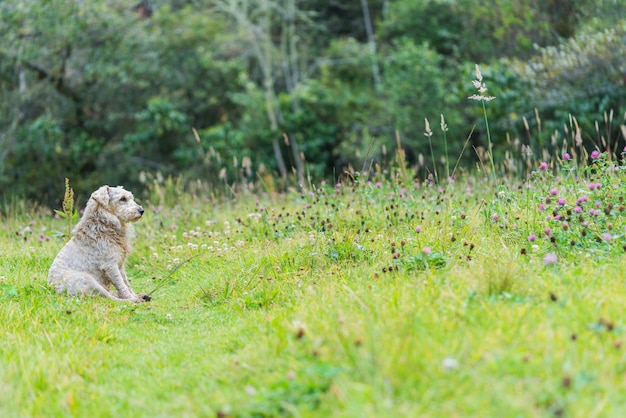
(143, 298)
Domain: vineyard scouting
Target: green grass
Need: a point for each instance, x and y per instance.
(331, 303)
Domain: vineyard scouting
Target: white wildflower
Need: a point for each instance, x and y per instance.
(450, 363)
(481, 87)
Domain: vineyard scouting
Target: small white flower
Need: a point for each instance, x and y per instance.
(450, 363)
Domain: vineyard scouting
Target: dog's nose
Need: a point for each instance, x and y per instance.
(141, 210)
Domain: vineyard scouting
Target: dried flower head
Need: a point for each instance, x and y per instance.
(427, 131)
(68, 199)
(444, 126)
(479, 75)
(480, 87)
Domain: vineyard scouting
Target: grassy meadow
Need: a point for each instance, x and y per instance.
(379, 296)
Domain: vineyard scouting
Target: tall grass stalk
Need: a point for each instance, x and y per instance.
(444, 129)
(490, 152)
(458, 160)
(429, 133)
(482, 97)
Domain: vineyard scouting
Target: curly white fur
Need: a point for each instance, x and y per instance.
(93, 259)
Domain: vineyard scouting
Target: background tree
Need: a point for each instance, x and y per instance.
(273, 34)
(224, 90)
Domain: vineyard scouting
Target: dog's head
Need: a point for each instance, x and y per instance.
(119, 202)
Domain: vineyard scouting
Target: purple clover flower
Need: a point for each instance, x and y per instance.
(550, 258)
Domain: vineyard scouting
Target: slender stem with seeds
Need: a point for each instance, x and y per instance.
(493, 166)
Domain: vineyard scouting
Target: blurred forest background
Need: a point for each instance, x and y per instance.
(225, 91)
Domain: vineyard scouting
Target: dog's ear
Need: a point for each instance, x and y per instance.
(101, 195)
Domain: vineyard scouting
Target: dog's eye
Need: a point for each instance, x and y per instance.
(123, 199)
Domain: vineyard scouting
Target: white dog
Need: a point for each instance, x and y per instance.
(93, 259)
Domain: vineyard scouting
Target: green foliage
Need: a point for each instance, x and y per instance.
(580, 79)
(159, 129)
(473, 30)
(106, 86)
(39, 150)
(268, 82)
(424, 261)
(317, 123)
(436, 23)
(416, 88)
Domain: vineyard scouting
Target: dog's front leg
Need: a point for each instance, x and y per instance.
(143, 296)
(120, 282)
(123, 273)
